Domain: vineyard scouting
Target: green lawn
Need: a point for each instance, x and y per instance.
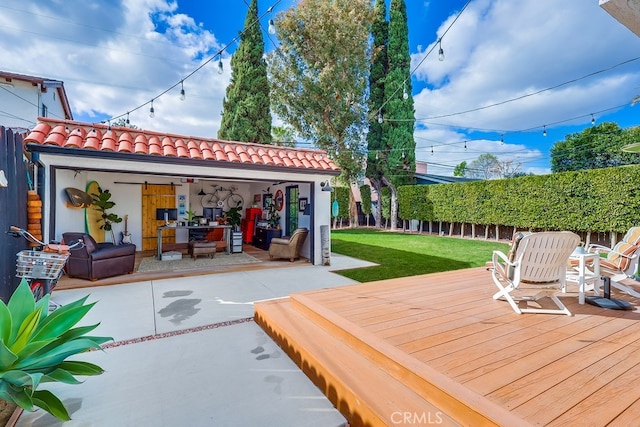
(404, 254)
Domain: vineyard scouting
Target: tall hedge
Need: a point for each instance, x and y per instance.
(593, 200)
(341, 194)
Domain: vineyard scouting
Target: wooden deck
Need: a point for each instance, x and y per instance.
(437, 349)
(265, 263)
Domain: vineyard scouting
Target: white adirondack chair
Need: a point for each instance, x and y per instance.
(535, 269)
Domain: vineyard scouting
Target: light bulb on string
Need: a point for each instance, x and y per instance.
(440, 51)
(152, 111)
(465, 146)
(380, 117)
(182, 94)
(272, 26)
(502, 139)
(377, 156)
(220, 66)
(593, 120)
(544, 130)
(432, 150)
(127, 120)
(405, 95)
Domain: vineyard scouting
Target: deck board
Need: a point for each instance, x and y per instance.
(445, 331)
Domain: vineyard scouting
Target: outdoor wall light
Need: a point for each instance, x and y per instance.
(326, 186)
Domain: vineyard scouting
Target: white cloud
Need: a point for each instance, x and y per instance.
(114, 58)
(499, 50)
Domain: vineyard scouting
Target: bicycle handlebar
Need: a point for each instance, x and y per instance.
(21, 232)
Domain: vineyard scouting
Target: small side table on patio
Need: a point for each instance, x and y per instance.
(583, 275)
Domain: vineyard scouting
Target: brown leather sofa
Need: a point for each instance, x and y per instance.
(288, 247)
(99, 260)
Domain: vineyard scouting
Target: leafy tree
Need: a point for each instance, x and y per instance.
(246, 114)
(508, 168)
(486, 166)
(319, 77)
(399, 162)
(377, 73)
(460, 169)
(283, 135)
(595, 147)
(125, 123)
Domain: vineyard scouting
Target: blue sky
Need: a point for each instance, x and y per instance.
(511, 69)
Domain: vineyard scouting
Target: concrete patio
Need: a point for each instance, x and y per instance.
(187, 352)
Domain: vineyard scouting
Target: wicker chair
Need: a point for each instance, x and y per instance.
(288, 247)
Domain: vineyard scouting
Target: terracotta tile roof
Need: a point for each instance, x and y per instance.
(87, 136)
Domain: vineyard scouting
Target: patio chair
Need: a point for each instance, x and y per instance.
(537, 269)
(621, 261)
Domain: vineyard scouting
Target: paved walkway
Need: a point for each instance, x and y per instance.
(187, 353)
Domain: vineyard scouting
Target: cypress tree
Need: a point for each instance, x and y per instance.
(399, 112)
(399, 164)
(377, 73)
(246, 114)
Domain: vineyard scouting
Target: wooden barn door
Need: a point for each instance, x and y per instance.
(153, 197)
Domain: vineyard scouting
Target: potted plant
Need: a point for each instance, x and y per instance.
(103, 203)
(273, 216)
(234, 216)
(191, 217)
(34, 345)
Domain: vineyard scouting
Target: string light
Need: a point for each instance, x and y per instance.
(380, 120)
(152, 111)
(272, 26)
(432, 150)
(127, 120)
(182, 94)
(440, 50)
(593, 120)
(405, 95)
(502, 139)
(220, 66)
(544, 130)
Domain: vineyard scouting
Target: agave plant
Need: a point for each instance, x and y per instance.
(34, 345)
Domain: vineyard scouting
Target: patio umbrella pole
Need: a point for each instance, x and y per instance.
(606, 301)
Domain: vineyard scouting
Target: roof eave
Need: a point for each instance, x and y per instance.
(149, 158)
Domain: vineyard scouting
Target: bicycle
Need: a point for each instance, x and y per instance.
(41, 268)
(216, 200)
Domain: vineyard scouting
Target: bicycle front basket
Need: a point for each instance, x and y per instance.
(40, 265)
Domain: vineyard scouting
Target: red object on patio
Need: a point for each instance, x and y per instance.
(249, 223)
